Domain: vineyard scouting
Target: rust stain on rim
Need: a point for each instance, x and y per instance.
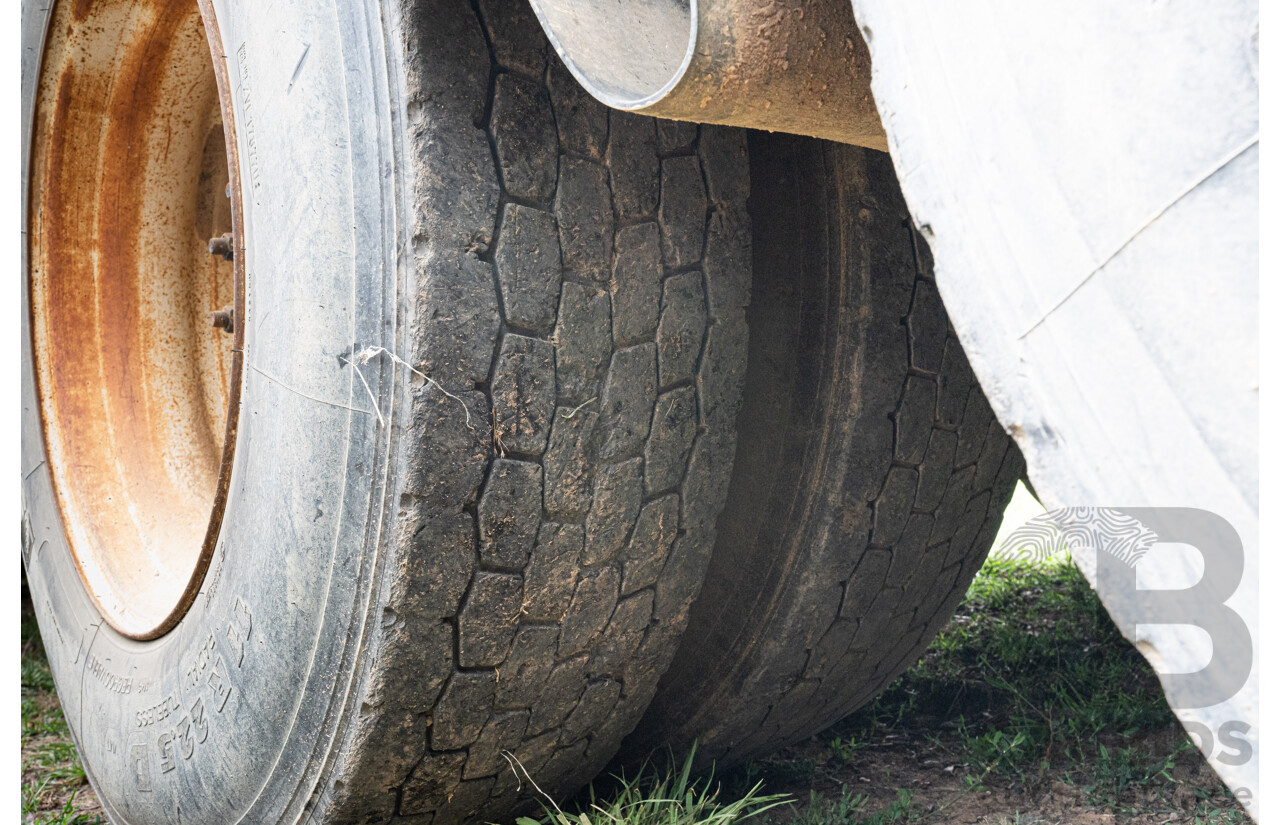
(134, 169)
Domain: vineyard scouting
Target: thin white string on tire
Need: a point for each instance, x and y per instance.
(368, 353)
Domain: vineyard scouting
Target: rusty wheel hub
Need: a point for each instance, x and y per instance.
(133, 174)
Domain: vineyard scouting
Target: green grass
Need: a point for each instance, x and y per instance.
(676, 797)
(1030, 687)
(851, 809)
(1031, 668)
(656, 797)
(846, 749)
(54, 788)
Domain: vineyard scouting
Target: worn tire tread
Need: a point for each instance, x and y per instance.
(526, 612)
(866, 492)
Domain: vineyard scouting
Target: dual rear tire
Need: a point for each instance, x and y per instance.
(506, 356)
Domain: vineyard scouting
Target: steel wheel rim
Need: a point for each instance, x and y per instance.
(134, 170)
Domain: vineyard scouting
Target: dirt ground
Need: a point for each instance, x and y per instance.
(942, 790)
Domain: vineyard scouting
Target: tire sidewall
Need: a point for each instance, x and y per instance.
(229, 716)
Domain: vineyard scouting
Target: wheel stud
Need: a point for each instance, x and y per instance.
(224, 319)
(223, 246)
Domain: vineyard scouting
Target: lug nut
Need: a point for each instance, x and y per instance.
(223, 246)
(224, 319)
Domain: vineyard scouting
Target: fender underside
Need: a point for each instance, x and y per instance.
(1095, 234)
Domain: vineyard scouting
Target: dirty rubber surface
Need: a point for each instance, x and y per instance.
(581, 293)
(871, 473)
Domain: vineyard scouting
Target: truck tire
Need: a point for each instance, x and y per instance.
(870, 475)
(493, 343)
